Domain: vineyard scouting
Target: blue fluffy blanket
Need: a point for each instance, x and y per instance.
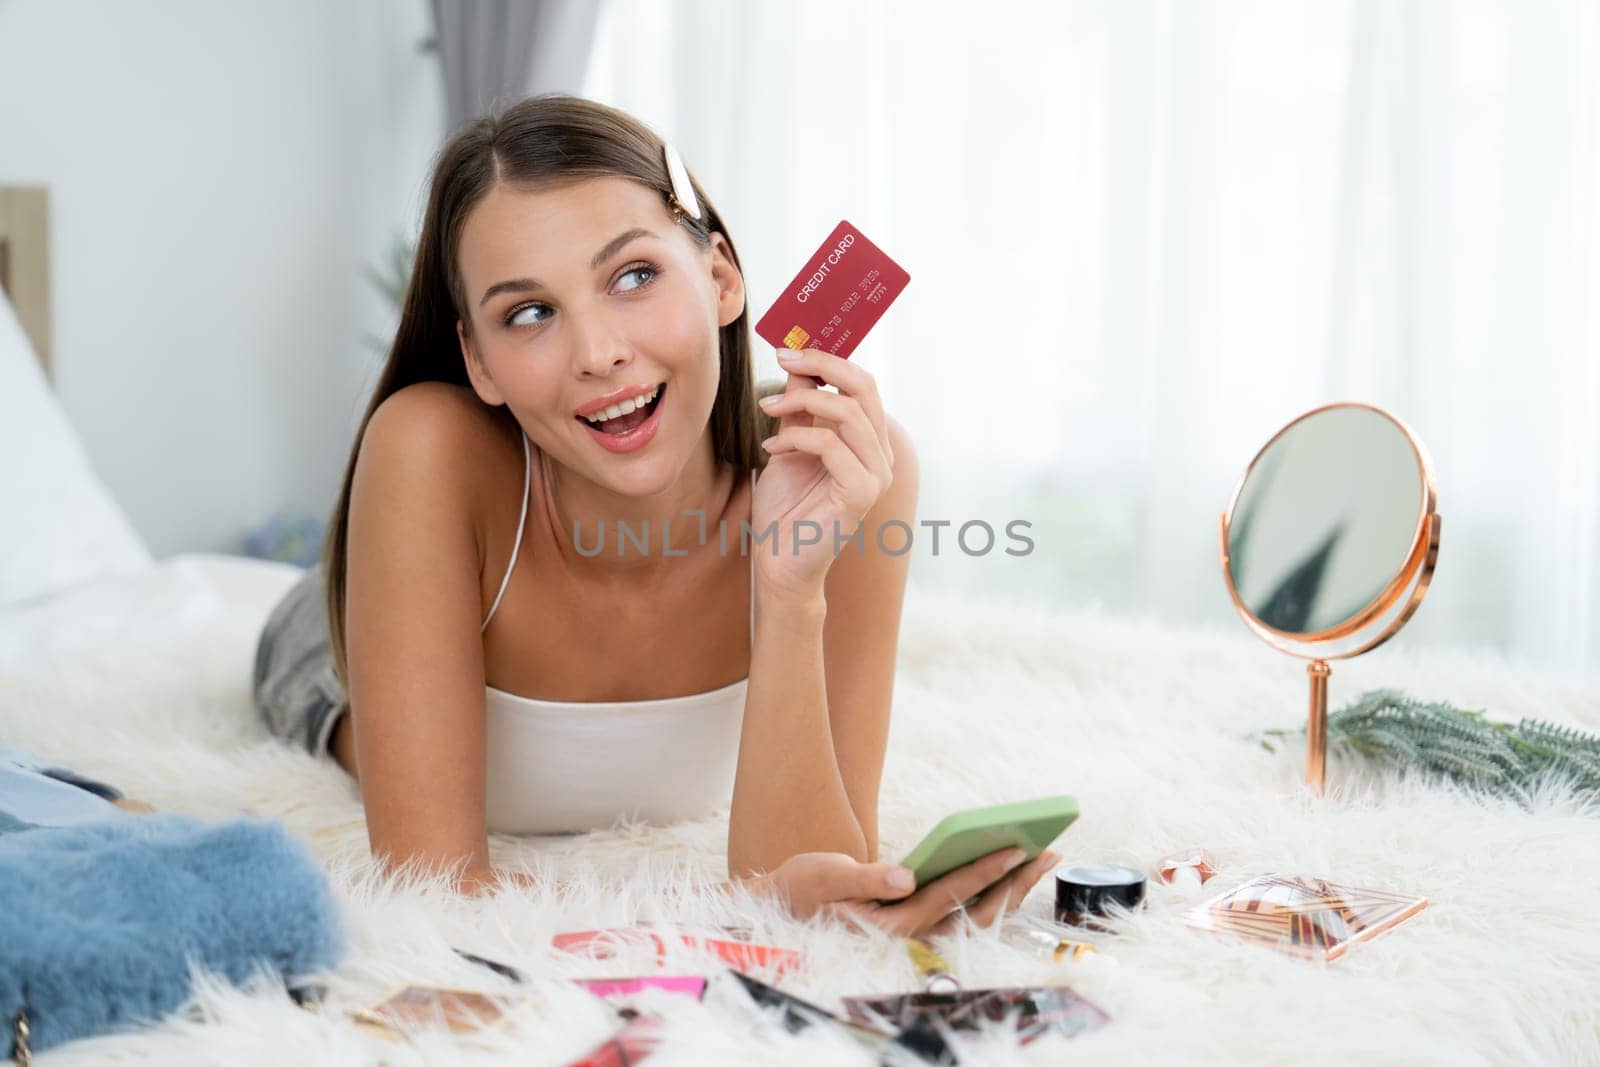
(99, 920)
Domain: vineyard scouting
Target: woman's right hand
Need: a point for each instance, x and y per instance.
(838, 884)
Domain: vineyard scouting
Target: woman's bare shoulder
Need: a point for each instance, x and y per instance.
(446, 414)
(477, 447)
(446, 407)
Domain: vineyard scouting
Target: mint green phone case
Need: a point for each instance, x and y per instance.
(966, 835)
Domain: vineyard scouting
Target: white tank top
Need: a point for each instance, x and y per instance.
(559, 767)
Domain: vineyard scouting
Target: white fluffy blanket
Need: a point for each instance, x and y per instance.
(145, 682)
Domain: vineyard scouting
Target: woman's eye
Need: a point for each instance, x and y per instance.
(520, 317)
(641, 269)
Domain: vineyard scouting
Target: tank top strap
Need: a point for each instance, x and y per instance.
(752, 564)
(522, 521)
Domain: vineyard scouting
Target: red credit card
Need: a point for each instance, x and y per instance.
(840, 293)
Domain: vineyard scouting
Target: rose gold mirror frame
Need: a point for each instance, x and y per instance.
(1416, 572)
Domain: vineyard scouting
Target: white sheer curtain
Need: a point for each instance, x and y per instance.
(1144, 235)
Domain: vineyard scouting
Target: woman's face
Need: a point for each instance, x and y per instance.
(568, 309)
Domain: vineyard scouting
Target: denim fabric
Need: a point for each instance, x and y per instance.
(43, 794)
(296, 689)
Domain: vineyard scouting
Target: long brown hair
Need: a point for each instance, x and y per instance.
(544, 140)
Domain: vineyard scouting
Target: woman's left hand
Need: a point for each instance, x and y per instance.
(829, 463)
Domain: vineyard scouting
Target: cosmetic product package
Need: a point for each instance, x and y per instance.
(1055, 947)
(460, 1010)
(1305, 915)
(689, 985)
(1088, 892)
(933, 968)
(1188, 870)
(504, 970)
(742, 955)
(1035, 1011)
(740, 994)
(637, 1038)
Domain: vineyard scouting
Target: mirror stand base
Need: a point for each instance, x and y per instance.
(1317, 727)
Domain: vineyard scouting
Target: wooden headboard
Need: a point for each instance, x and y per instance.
(25, 261)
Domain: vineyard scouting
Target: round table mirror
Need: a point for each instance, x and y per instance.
(1329, 543)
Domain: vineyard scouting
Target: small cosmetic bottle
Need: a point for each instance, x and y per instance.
(1054, 947)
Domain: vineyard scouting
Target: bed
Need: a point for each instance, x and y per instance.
(136, 670)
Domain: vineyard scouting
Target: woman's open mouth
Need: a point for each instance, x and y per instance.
(628, 430)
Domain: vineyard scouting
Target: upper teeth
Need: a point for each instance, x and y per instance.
(631, 404)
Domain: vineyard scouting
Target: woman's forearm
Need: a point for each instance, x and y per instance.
(788, 795)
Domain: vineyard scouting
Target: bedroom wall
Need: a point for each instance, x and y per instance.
(219, 177)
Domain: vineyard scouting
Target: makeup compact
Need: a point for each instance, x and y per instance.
(1085, 892)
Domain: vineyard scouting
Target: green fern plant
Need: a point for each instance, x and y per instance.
(1461, 745)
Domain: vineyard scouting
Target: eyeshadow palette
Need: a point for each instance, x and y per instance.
(1035, 1011)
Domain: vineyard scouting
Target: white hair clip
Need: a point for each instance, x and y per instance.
(682, 190)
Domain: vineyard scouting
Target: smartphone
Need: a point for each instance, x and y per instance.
(967, 835)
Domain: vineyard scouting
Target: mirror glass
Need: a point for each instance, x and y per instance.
(1325, 520)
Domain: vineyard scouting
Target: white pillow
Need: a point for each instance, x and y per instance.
(59, 527)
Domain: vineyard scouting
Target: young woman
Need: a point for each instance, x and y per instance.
(562, 580)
